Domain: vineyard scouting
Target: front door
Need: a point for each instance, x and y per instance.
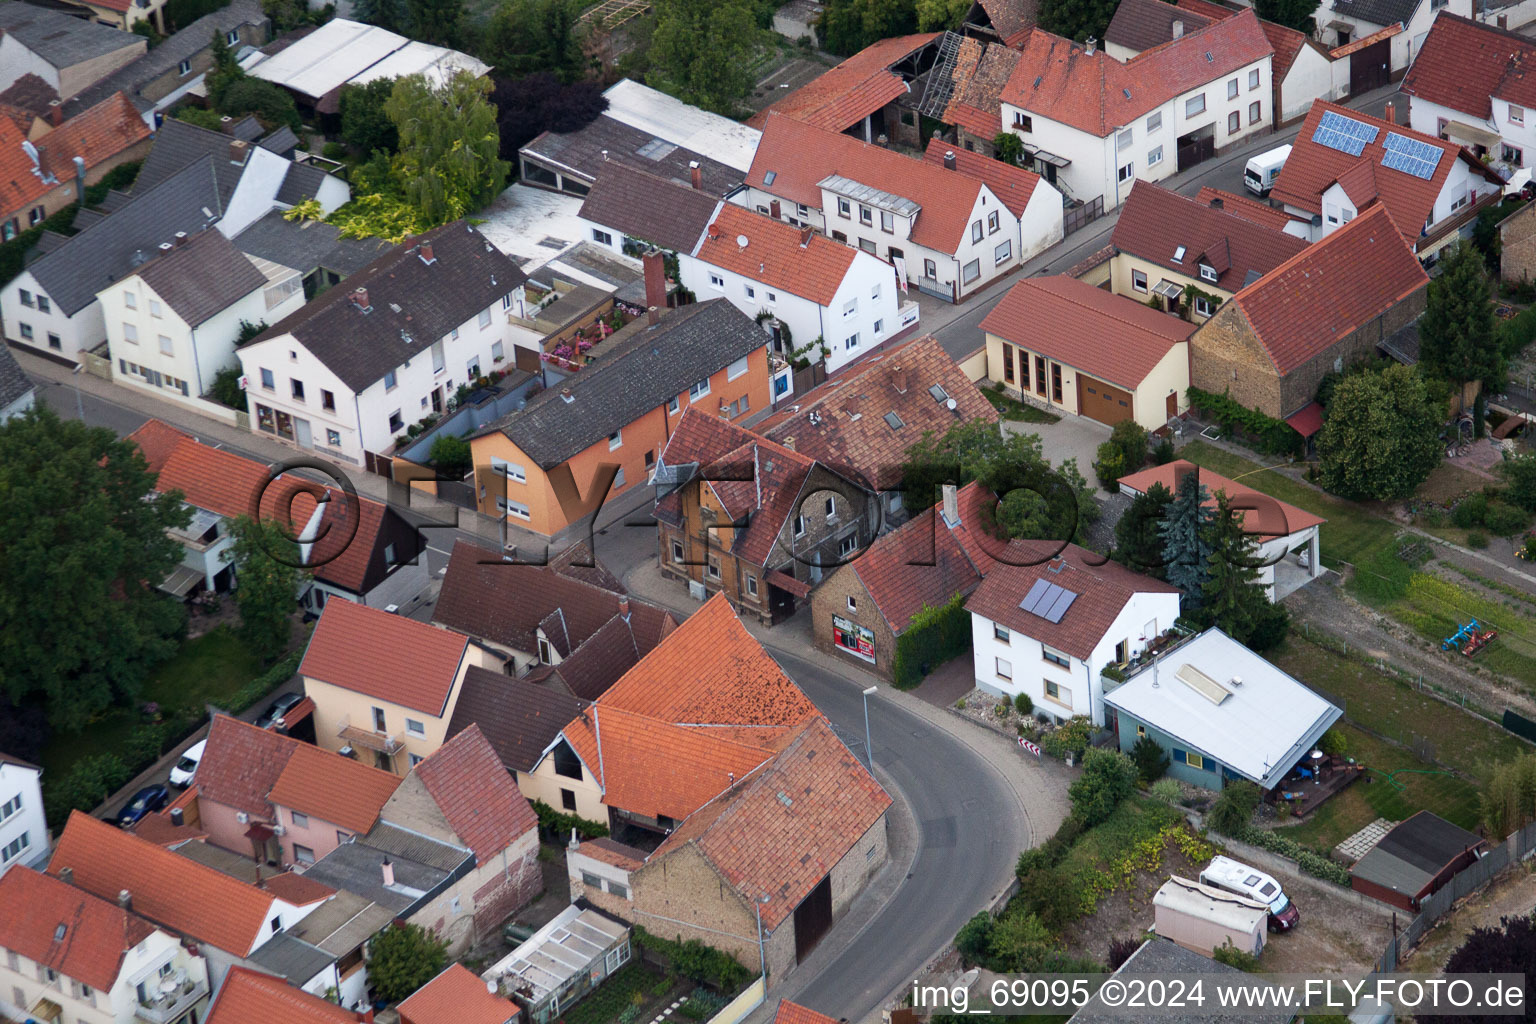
(812, 918)
(437, 400)
(301, 433)
(1173, 405)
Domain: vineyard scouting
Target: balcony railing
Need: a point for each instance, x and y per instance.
(370, 739)
(168, 1006)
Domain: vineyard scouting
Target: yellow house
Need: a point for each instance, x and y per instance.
(1079, 350)
(385, 686)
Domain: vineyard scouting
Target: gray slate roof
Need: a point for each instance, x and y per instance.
(176, 48)
(302, 182)
(649, 208)
(1164, 958)
(248, 129)
(357, 867)
(583, 149)
(1142, 24)
(60, 39)
(518, 718)
(413, 304)
(1375, 12)
(72, 274)
(203, 276)
(291, 957)
(1408, 858)
(178, 144)
(14, 381)
(306, 245)
(282, 141)
(639, 372)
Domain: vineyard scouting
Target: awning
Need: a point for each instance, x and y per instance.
(46, 1009)
(1307, 420)
(1049, 158)
(788, 583)
(1341, 26)
(181, 582)
(1168, 289)
(259, 833)
(1473, 134)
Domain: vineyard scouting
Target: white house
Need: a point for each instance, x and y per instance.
(67, 955)
(1048, 626)
(1468, 85)
(23, 828)
(191, 180)
(345, 374)
(947, 231)
(1345, 21)
(810, 286)
(172, 323)
(1093, 125)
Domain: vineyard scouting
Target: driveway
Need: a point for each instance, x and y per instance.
(1071, 437)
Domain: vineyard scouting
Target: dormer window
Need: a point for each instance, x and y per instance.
(1207, 273)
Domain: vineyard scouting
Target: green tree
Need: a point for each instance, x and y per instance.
(365, 127)
(847, 26)
(448, 165)
(1151, 759)
(939, 15)
(267, 579)
(225, 70)
(271, 103)
(1520, 472)
(1508, 800)
(83, 544)
(701, 51)
(1296, 14)
(1456, 337)
(451, 455)
(1077, 19)
(404, 957)
(1233, 599)
(1185, 531)
(226, 389)
(435, 21)
(388, 14)
(525, 37)
(1233, 808)
(1380, 439)
(1109, 776)
(1008, 148)
(1138, 536)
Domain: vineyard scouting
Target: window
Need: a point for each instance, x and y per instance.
(831, 507)
(26, 298)
(1139, 280)
(26, 331)
(1058, 693)
(13, 849)
(184, 68)
(396, 424)
(930, 270)
(772, 297)
(1194, 105)
(591, 881)
(389, 381)
(1234, 123)
(716, 281)
(130, 300)
(850, 308)
(1194, 760)
(415, 728)
(1001, 634)
(1126, 173)
(298, 389)
(232, 37)
(154, 308)
(1123, 140)
(567, 800)
(992, 224)
(866, 215)
(472, 368)
(622, 892)
(887, 221)
(1253, 78)
(1154, 156)
(1003, 253)
(43, 305)
(1154, 121)
(1056, 382)
(1203, 306)
(976, 231)
(677, 552)
(1232, 89)
(10, 807)
(1039, 375)
(166, 348)
(1511, 155)
(601, 237)
(130, 334)
(698, 390)
(736, 369)
(799, 526)
(848, 545)
(868, 246)
(751, 292)
(1516, 114)
(1255, 111)
(843, 209)
(971, 271)
(618, 478)
(299, 820)
(1054, 656)
(333, 438)
(268, 381)
(879, 328)
(516, 509)
(752, 585)
(484, 319)
(672, 405)
(1023, 122)
(616, 439)
(1207, 272)
(55, 342)
(851, 342)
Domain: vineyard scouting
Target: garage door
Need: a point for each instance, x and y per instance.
(1103, 402)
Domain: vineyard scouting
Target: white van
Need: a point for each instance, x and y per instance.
(1226, 873)
(186, 768)
(1260, 174)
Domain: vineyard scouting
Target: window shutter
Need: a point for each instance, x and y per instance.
(1178, 755)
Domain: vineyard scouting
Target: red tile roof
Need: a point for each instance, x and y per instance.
(1463, 63)
(97, 135)
(301, 891)
(1013, 185)
(1156, 222)
(794, 1013)
(925, 562)
(386, 656)
(457, 996)
(845, 95)
(1330, 289)
(1108, 336)
(974, 105)
(612, 852)
(157, 828)
(241, 764)
(1356, 45)
(1242, 206)
(841, 423)
(1098, 94)
(1102, 591)
(777, 255)
(1312, 167)
(780, 831)
(1276, 518)
(476, 794)
(97, 933)
(1287, 43)
(180, 894)
(800, 155)
(327, 786)
(1011, 18)
(250, 997)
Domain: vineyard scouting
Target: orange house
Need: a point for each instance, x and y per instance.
(550, 463)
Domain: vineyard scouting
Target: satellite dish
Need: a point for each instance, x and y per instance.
(951, 405)
(741, 240)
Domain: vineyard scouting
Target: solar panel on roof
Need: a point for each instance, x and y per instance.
(1032, 599)
(1411, 156)
(1059, 606)
(1344, 134)
(1048, 600)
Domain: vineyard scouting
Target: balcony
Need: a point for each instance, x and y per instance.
(174, 999)
(370, 739)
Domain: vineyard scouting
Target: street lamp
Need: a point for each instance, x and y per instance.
(869, 749)
(762, 956)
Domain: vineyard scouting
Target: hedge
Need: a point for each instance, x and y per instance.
(559, 824)
(1272, 436)
(265, 683)
(936, 635)
(1516, 333)
(696, 961)
(1309, 861)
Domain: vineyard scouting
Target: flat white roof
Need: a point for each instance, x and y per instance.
(718, 138)
(533, 225)
(437, 63)
(1208, 903)
(1262, 724)
(342, 51)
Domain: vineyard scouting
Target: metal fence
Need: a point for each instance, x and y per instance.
(1083, 215)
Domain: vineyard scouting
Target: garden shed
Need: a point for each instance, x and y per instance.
(1415, 859)
(561, 962)
(1203, 918)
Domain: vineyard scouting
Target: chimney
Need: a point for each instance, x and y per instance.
(389, 872)
(695, 175)
(774, 210)
(899, 379)
(951, 505)
(360, 298)
(181, 238)
(237, 151)
(178, 816)
(80, 179)
(67, 875)
(55, 112)
(624, 607)
(1390, 114)
(1178, 29)
(652, 315)
(165, 247)
(655, 279)
(805, 237)
(1091, 45)
(1504, 21)
(949, 159)
(851, 406)
(227, 125)
(1217, 203)
(366, 1016)
(125, 899)
(425, 251)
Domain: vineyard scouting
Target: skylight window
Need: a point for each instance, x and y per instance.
(1178, 255)
(939, 394)
(768, 178)
(893, 421)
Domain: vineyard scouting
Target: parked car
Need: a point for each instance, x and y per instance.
(1235, 877)
(186, 768)
(278, 709)
(145, 801)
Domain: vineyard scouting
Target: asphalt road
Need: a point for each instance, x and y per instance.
(966, 851)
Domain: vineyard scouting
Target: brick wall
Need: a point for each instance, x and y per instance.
(1518, 233)
(1300, 385)
(831, 598)
(681, 896)
(853, 871)
(507, 884)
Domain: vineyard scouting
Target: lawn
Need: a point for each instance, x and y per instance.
(1013, 409)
